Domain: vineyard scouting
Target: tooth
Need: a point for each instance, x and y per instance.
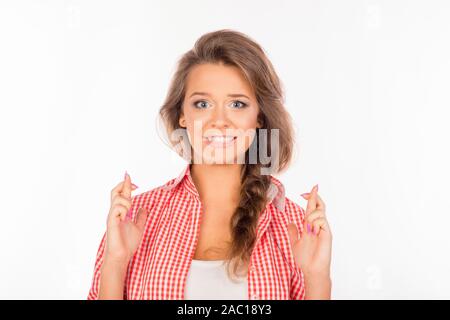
(221, 139)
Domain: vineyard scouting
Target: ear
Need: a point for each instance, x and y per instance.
(259, 124)
(259, 121)
(182, 121)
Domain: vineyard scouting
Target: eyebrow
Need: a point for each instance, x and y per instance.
(233, 95)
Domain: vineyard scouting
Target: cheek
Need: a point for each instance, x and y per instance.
(247, 119)
(193, 122)
(247, 125)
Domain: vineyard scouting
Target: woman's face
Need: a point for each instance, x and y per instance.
(220, 113)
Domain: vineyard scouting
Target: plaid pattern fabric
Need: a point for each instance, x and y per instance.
(159, 268)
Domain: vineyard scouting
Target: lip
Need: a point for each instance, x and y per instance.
(218, 144)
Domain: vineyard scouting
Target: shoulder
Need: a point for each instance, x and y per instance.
(295, 213)
(293, 209)
(150, 198)
(290, 210)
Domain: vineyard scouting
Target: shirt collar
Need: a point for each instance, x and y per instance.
(275, 193)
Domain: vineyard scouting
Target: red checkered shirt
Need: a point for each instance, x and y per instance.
(159, 268)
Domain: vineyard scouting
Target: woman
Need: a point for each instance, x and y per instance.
(223, 229)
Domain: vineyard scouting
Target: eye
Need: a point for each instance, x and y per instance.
(201, 105)
(240, 104)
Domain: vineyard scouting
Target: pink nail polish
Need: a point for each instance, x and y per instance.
(317, 187)
(134, 186)
(305, 194)
(125, 175)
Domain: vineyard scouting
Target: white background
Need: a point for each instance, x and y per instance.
(367, 83)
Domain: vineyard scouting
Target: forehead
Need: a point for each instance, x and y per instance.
(217, 79)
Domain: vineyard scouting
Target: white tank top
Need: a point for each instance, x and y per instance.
(208, 280)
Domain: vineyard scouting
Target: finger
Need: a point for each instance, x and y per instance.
(118, 199)
(314, 215)
(320, 202)
(126, 191)
(311, 206)
(319, 224)
(307, 226)
(117, 189)
(141, 217)
(293, 233)
(119, 211)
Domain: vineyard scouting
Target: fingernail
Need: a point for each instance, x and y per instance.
(125, 175)
(134, 186)
(317, 187)
(305, 194)
(308, 228)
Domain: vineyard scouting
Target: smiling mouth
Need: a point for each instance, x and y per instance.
(219, 141)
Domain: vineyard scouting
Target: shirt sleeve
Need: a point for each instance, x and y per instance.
(93, 292)
(95, 283)
(296, 216)
(147, 200)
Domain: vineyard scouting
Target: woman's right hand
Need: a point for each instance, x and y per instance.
(123, 235)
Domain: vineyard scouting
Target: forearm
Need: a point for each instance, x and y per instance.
(112, 279)
(317, 287)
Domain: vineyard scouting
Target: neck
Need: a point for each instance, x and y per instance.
(217, 182)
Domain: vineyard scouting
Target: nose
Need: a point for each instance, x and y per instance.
(219, 119)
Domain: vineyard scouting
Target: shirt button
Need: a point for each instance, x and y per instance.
(254, 296)
(252, 268)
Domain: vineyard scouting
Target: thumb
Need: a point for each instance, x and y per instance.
(126, 190)
(141, 217)
(293, 234)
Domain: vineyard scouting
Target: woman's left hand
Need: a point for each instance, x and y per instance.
(312, 251)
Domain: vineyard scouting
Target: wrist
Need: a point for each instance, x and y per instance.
(324, 274)
(318, 279)
(318, 286)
